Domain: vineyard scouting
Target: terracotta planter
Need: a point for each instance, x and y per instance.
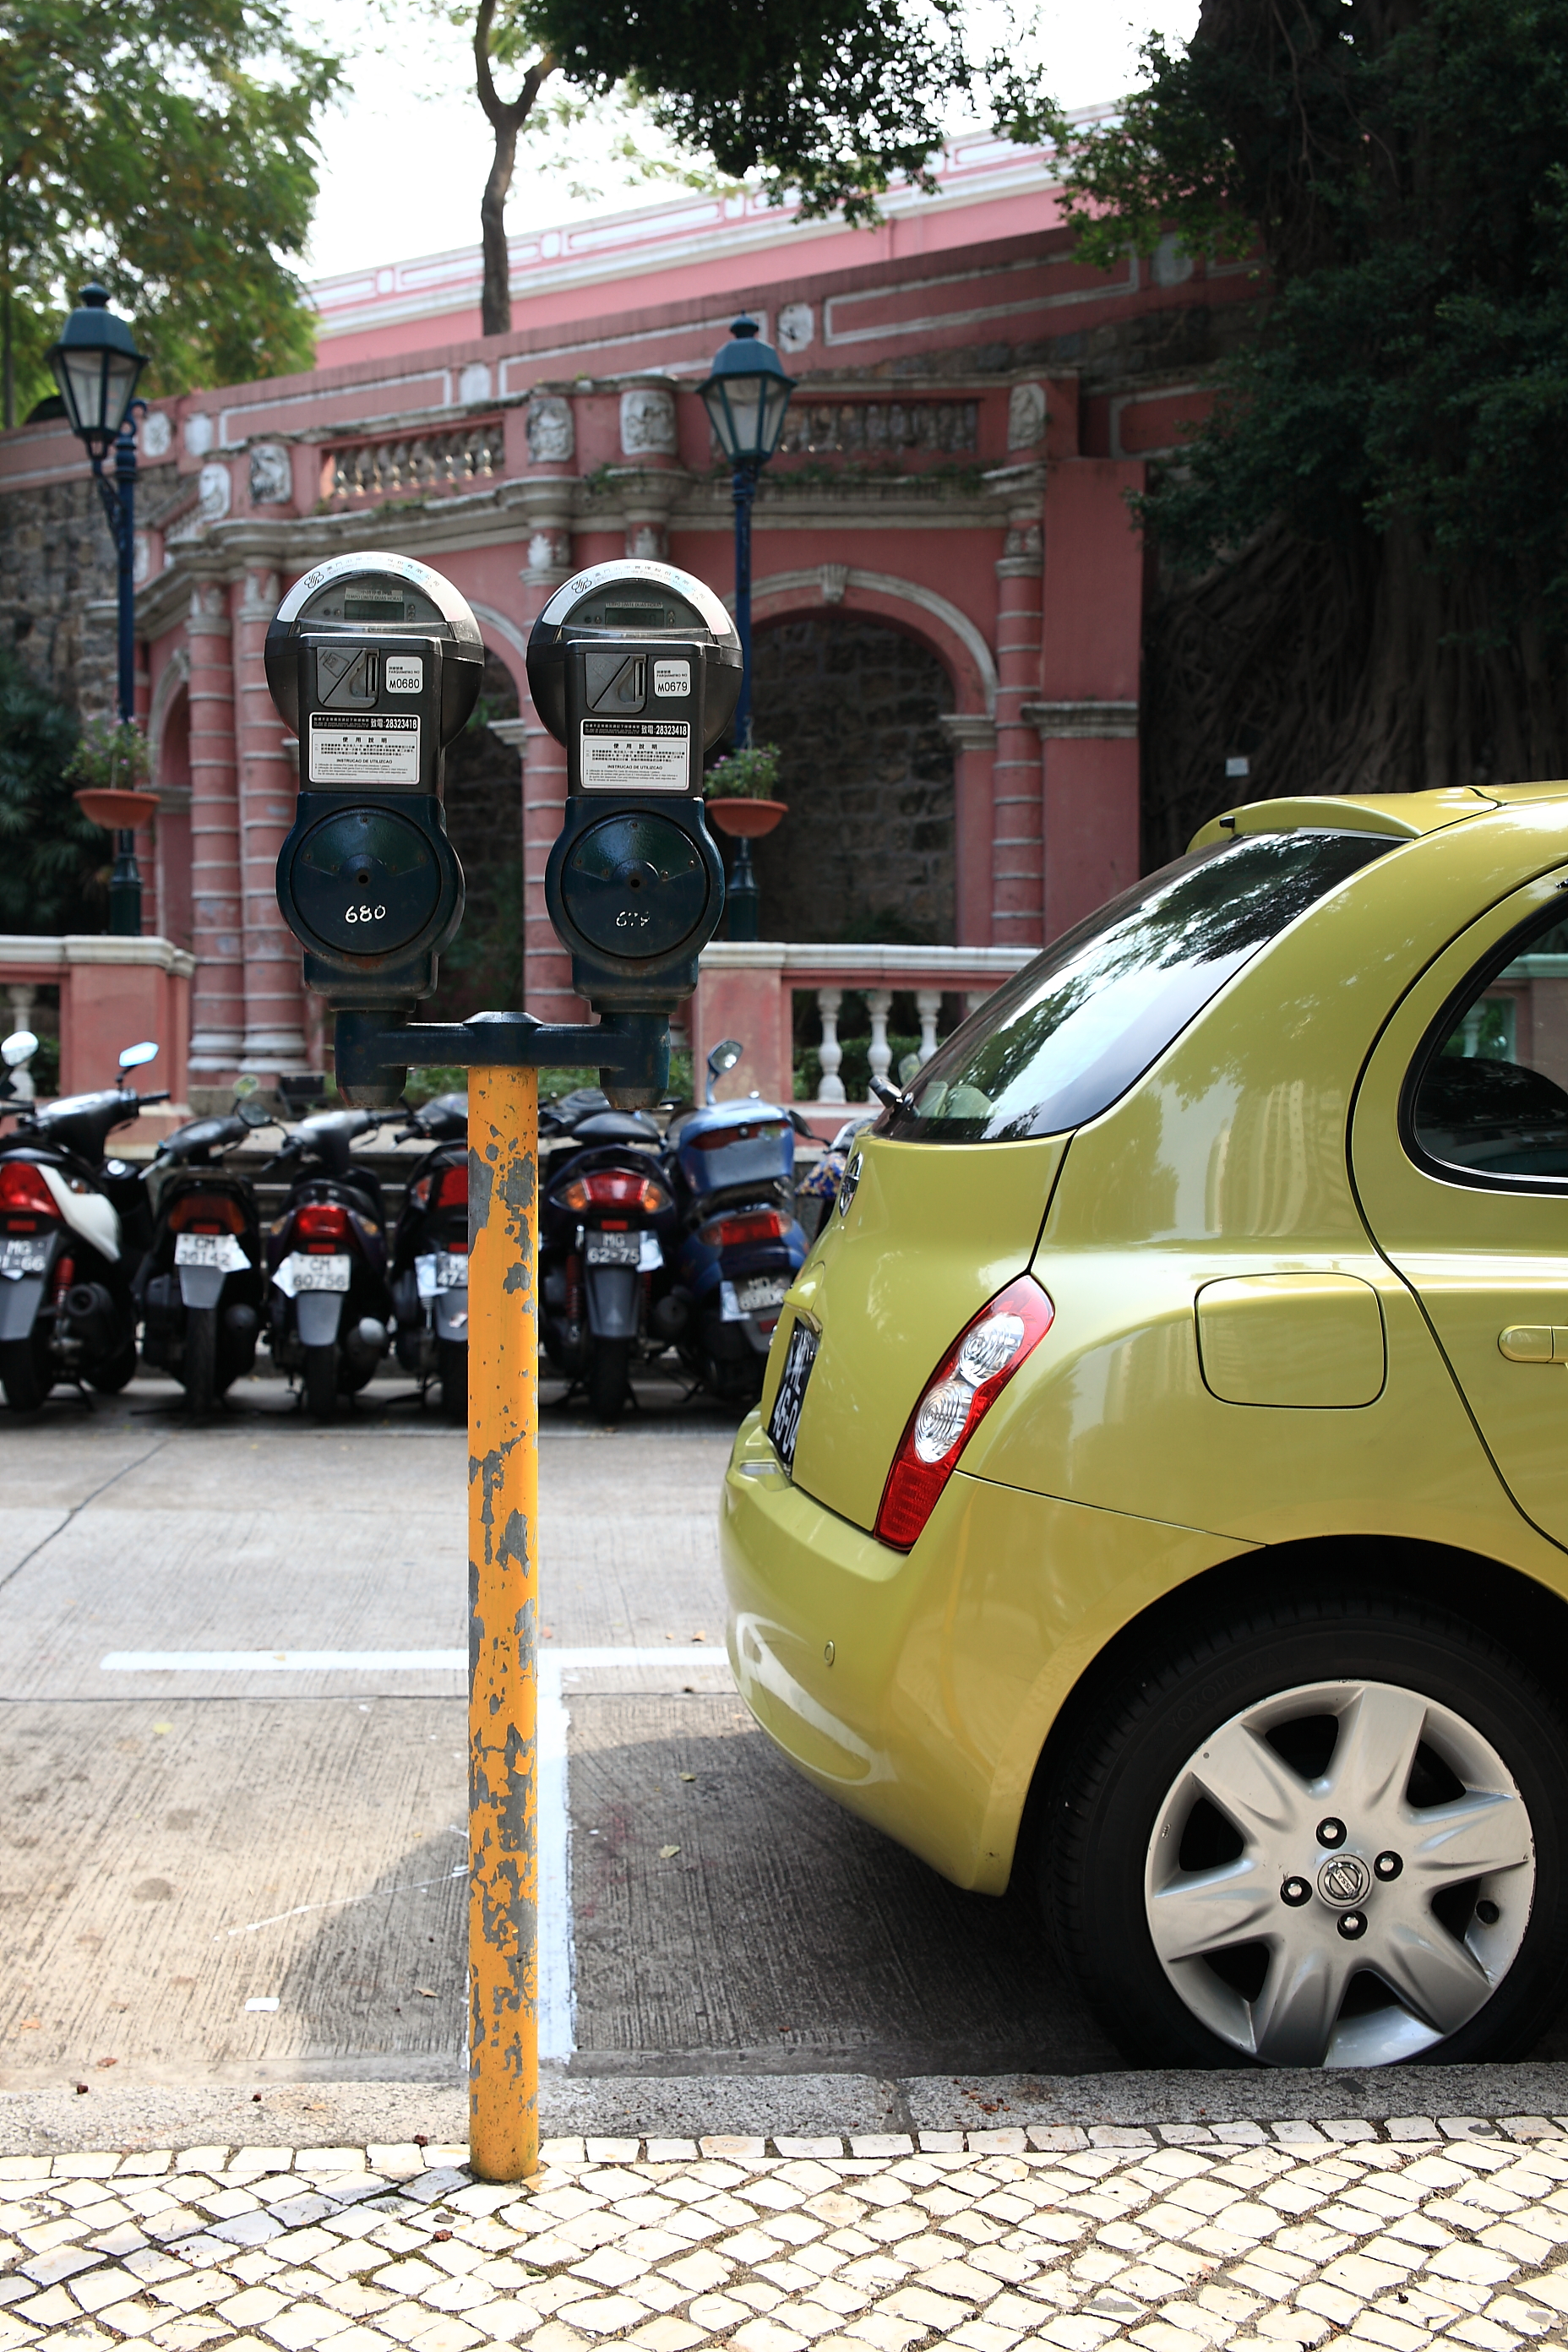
(746, 820)
(114, 808)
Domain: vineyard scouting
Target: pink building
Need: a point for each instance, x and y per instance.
(948, 588)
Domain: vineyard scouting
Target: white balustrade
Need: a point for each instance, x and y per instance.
(830, 1052)
(879, 1004)
(928, 1007)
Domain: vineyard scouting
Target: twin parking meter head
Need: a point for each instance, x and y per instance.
(376, 662)
(635, 668)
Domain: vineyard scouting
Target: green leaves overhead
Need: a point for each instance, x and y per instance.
(50, 853)
(828, 97)
(167, 147)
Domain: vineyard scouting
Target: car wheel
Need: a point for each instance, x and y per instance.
(1323, 1834)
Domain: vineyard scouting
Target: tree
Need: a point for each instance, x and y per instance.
(828, 98)
(168, 148)
(1389, 449)
(51, 855)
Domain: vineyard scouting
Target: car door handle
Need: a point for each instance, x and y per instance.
(1534, 1343)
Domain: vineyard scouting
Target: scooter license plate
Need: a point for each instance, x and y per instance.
(784, 1421)
(442, 1270)
(210, 1249)
(762, 1290)
(615, 1249)
(20, 1256)
(322, 1273)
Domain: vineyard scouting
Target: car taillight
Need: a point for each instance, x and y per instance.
(755, 1225)
(206, 1213)
(451, 1187)
(958, 1394)
(323, 1223)
(613, 1188)
(23, 1191)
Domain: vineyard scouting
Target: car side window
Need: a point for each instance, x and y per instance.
(1487, 1095)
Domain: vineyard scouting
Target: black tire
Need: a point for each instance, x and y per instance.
(198, 1361)
(116, 1372)
(24, 1373)
(609, 1378)
(452, 1369)
(321, 1381)
(1129, 1748)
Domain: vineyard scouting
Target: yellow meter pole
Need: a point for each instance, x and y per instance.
(503, 1599)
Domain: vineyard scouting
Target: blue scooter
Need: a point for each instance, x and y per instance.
(732, 1169)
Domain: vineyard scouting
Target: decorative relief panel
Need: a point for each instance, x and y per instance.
(647, 422)
(551, 436)
(881, 427)
(271, 474)
(1025, 416)
(217, 492)
(157, 434)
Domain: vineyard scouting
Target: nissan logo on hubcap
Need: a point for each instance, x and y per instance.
(1344, 1881)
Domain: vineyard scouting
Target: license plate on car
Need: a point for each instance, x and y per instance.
(19, 1257)
(783, 1422)
(615, 1249)
(210, 1249)
(322, 1273)
(762, 1290)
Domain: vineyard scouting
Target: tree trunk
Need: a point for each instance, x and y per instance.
(495, 299)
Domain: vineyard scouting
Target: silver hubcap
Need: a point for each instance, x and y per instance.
(1316, 1944)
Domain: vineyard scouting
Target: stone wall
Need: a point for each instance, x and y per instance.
(57, 585)
(867, 850)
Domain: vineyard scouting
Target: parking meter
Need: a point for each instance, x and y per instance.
(635, 668)
(376, 662)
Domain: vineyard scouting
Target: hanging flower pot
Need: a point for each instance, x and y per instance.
(116, 806)
(746, 820)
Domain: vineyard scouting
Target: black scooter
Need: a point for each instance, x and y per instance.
(73, 1227)
(430, 1255)
(606, 1234)
(200, 1285)
(328, 1312)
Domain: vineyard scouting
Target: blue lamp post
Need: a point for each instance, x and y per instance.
(746, 396)
(97, 365)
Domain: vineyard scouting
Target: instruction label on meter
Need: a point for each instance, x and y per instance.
(371, 750)
(624, 755)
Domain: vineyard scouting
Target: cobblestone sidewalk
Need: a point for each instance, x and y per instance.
(1174, 2239)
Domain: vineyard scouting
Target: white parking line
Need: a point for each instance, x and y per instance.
(557, 1952)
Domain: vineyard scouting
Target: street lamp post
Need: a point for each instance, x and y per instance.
(746, 397)
(97, 365)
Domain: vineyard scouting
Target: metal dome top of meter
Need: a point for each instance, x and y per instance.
(635, 599)
(379, 591)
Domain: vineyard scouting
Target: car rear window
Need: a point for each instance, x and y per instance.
(1064, 1037)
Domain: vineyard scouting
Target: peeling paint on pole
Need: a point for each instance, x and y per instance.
(503, 1599)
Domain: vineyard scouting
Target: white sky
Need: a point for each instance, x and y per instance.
(406, 152)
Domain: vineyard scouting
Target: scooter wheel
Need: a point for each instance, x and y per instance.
(110, 1377)
(198, 1366)
(609, 1378)
(452, 1364)
(24, 1375)
(320, 1377)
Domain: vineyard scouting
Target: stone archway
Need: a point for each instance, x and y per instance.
(867, 851)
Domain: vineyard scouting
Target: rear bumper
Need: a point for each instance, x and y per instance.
(948, 1665)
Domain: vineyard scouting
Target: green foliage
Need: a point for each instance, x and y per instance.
(1406, 172)
(110, 753)
(51, 858)
(826, 98)
(168, 148)
(751, 773)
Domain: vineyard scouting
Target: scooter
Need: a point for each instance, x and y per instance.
(328, 1312)
(607, 1230)
(732, 1166)
(430, 1255)
(73, 1226)
(199, 1287)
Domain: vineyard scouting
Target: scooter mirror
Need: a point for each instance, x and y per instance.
(134, 1056)
(18, 1047)
(725, 1055)
(253, 1113)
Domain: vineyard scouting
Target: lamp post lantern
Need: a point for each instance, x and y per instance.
(97, 366)
(746, 397)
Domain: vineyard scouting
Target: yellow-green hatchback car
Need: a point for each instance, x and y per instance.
(1161, 1484)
